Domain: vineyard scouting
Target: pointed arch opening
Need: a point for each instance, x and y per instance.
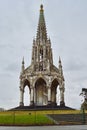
(54, 90)
(26, 93)
(40, 92)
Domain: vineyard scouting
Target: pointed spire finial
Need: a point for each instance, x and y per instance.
(23, 67)
(60, 66)
(59, 60)
(41, 30)
(41, 8)
(23, 60)
(60, 63)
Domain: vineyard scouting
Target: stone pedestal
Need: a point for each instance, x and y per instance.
(49, 103)
(62, 104)
(32, 103)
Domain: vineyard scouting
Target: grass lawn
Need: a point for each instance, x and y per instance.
(24, 118)
(31, 117)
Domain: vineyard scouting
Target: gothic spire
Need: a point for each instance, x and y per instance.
(41, 30)
(60, 66)
(23, 67)
(60, 61)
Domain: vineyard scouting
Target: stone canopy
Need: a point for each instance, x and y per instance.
(42, 77)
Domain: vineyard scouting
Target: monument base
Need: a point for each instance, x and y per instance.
(50, 107)
(21, 104)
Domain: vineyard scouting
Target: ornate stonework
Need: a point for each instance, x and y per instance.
(42, 76)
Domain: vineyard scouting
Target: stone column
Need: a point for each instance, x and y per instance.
(34, 96)
(31, 96)
(49, 91)
(49, 95)
(21, 97)
(62, 103)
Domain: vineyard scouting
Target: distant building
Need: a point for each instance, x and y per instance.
(2, 109)
(42, 77)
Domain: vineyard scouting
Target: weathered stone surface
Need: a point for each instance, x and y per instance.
(42, 76)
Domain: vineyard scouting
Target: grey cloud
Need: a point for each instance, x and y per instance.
(13, 67)
(75, 66)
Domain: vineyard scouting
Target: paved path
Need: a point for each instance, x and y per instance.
(75, 127)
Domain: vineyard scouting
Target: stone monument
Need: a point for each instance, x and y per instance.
(42, 77)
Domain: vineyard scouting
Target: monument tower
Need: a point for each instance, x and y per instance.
(42, 77)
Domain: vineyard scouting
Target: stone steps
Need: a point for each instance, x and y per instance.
(69, 118)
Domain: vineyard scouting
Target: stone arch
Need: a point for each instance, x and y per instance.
(26, 90)
(40, 92)
(26, 82)
(40, 78)
(54, 86)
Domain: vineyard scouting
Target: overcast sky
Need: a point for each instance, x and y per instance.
(66, 22)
